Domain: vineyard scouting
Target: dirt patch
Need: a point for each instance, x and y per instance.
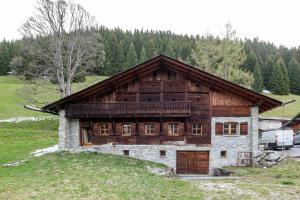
(244, 189)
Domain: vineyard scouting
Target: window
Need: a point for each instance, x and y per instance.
(87, 136)
(126, 152)
(230, 128)
(171, 76)
(196, 129)
(162, 153)
(223, 154)
(104, 129)
(173, 129)
(149, 129)
(126, 129)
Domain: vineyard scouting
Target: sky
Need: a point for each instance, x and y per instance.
(277, 21)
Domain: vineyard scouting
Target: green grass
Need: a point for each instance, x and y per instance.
(76, 176)
(18, 140)
(15, 93)
(99, 176)
(279, 182)
(290, 110)
(285, 170)
(90, 176)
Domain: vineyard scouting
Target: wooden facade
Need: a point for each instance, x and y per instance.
(161, 101)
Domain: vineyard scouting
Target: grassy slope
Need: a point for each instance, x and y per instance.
(17, 140)
(77, 176)
(14, 93)
(279, 182)
(290, 110)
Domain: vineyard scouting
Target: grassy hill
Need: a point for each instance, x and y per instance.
(14, 93)
(77, 176)
(99, 176)
(290, 110)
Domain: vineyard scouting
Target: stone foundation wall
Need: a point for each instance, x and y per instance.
(148, 152)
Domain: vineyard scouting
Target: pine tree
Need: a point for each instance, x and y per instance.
(267, 70)
(170, 51)
(131, 56)
(294, 74)
(258, 81)
(251, 60)
(279, 78)
(143, 55)
(151, 49)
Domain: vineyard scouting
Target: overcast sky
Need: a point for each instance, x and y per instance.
(277, 21)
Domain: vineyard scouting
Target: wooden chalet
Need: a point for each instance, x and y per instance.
(161, 102)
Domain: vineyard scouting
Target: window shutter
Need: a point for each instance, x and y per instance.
(219, 128)
(96, 129)
(165, 128)
(206, 128)
(110, 130)
(181, 128)
(244, 128)
(133, 128)
(118, 128)
(157, 128)
(141, 129)
(189, 128)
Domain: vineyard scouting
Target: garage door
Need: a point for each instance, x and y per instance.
(192, 162)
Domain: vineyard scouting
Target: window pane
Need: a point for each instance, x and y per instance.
(126, 129)
(103, 129)
(230, 128)
(149, 129)
(173, 129)
(196, 129)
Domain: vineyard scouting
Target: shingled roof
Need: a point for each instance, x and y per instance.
(264, 103)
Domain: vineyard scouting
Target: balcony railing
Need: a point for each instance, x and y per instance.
(129, 109)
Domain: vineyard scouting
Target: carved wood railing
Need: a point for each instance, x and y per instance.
(129, 108)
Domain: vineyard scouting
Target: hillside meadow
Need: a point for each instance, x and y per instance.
(15, 93)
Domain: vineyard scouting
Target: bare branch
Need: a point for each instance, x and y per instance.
(66, 27)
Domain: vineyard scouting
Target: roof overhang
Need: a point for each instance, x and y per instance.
(264, 103)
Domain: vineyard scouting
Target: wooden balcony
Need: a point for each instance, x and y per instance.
(129, 109)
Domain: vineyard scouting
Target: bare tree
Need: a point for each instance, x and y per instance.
(63, 37)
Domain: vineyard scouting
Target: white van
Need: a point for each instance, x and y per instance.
(279, 138)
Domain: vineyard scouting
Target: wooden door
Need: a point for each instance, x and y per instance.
(192, 162)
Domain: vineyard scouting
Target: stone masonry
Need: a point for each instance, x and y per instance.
(69, 140)
(68, 135)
